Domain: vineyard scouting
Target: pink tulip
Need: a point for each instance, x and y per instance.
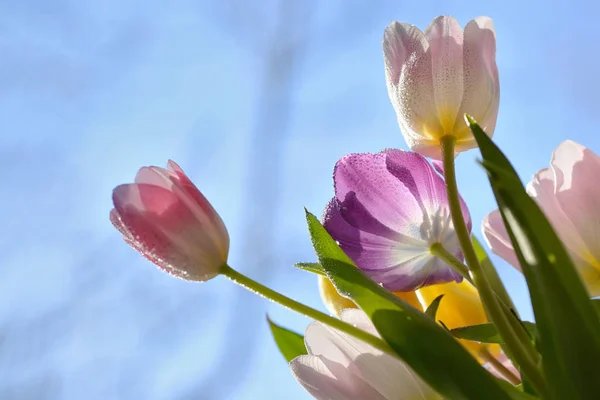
(435, 77)
(166, 218)
(569, 195)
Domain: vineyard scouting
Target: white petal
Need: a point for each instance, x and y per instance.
(330, 382)
(388, 375)
(410, 83)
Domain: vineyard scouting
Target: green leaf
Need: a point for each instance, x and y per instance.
(515, 392)
(433, 307)
(568, 326)
(486, 333)
(430, 350)
(290, 344)
(596, 304)
(492, 275)
(315, 268)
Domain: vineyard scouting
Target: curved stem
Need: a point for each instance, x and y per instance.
(522, 351)
(300, 308)
(438, 250)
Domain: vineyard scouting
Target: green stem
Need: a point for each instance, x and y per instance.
(522, 351)
(499, 367)
(438, 250)
(309, 312)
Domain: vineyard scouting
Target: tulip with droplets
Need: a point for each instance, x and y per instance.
(389, 209)
(568, 195)
(166, 218)
(436, 76)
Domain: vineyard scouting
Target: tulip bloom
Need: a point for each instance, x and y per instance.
(335, 302)
(460, 306)
(568, 195)
(435, 77)
(166, 218)
(389, 208)
(338, 366)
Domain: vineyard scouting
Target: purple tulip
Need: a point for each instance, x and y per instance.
(388, 209)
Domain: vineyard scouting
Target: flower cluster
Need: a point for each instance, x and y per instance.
(417, 310)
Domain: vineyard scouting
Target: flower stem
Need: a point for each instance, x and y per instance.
(522, 350)
(499, 367)
(309, 312)
(438, 250)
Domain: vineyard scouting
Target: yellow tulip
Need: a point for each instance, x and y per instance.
(460, 306)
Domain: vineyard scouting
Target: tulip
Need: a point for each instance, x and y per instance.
(389, 209)
(435, 77)
(569, 197)
(339, 366)
(460, 306)
(336, 303)
(166, 218)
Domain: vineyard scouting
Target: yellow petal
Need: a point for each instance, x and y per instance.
(461, 306)
(334, 302)
(411, 298)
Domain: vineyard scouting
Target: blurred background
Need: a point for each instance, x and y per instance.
(256, 101)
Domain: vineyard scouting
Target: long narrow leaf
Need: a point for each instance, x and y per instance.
(568, 326)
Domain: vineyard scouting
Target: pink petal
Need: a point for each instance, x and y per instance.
(191, 190)
(481, 84)
(577, 170)
(162, 228)
(496, 236)
(445, 37)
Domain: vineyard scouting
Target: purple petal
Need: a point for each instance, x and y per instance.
(388, 210)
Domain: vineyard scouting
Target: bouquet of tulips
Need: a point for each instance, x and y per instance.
(417, 310)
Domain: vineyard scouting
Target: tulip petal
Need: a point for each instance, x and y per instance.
(397, 264)
(387, 375)
(328, 381)
(162, 228)
(364, 180)
(389, 209)
(576, 169)
(481, 84)
(409, 77)
(445, 37)
(460, 306)
(496, 237)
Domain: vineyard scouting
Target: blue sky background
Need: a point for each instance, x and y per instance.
(91, 91)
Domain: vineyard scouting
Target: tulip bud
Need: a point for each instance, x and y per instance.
(436, 76)
(166, 218)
